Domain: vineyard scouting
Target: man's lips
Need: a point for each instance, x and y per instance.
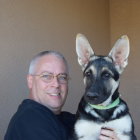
(54, 94)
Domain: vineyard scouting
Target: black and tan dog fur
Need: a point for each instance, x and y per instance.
(101, 78)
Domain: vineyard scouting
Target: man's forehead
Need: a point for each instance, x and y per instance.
(51, 63)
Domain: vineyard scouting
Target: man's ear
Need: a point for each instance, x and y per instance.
(120, 53)
(83, 50)
(29, 81)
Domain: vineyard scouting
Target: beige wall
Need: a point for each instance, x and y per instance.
(30, 26)
(125, 19)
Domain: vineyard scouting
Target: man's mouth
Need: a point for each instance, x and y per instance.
(54, 94)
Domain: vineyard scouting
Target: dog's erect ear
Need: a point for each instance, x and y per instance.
(83, 50)
(120, 53)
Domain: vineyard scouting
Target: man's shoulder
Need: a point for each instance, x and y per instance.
(30, 118)
(67, 114)
(68, 119)
(30, 111)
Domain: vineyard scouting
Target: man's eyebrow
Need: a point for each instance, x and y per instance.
(47, 72)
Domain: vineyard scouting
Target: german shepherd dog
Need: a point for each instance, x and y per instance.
(101, 105)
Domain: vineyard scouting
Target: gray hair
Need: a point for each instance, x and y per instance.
(44, 53)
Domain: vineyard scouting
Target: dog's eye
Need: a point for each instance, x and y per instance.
(106, 75)
(88, 74)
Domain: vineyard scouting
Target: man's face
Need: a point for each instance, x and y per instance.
(50, 94)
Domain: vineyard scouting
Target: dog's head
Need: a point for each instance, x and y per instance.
(101, 73)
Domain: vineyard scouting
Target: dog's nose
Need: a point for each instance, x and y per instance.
(92, 95)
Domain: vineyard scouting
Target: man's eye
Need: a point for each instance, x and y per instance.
(47, 76)
(63, 77)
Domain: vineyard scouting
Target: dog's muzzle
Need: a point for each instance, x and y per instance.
(91, 97)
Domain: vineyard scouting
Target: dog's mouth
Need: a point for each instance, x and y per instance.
(93, 98)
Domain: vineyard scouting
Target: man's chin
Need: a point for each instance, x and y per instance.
(56, 109)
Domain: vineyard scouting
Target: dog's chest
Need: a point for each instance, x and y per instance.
(90, 130)
(87, 130)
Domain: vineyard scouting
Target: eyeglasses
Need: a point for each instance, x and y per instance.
(48, 77)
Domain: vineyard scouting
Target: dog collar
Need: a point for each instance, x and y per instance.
(101, 107)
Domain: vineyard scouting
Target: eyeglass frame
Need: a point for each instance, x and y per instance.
(53, 76)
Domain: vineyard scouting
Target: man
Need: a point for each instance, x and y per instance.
(40, 116)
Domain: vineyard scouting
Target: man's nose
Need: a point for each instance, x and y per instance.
(55, 82)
